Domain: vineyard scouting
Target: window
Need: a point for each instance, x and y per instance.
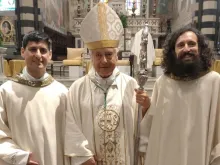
(104, 1)
(133, 3)
(129, 4)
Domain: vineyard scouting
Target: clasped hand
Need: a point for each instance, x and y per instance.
(143, 99)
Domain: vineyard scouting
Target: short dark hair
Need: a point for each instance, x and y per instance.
(36, 36)
(206, 54)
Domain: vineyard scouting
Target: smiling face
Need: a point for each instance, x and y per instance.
(104, 61)
(187, 62)
(36, 55)
(186, 47)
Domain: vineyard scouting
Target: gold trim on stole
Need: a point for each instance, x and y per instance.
(42, 83)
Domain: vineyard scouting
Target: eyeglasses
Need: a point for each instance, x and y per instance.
(34, 50)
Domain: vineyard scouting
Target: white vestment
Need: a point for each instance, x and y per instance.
(182, 126)
(136, 47)
(92, 129)
(32, 121)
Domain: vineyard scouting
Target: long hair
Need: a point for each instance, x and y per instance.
(169, 55)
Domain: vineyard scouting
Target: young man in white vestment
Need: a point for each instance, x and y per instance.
(32, 110)
(102, 106)
(182, 125)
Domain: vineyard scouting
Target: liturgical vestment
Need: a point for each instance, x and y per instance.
(32, 121)
(102, 122)
(182, 126)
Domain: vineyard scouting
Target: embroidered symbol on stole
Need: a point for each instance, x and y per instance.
(110, 147)
(108, 120)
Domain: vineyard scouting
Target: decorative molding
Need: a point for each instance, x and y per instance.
(75, 28)
(62, 31)
(140, 21)
(118, 7)
(134, 24)
(79, 43)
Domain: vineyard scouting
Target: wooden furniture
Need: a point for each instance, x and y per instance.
(59, 43)
(126, 61)
(16, 66)
(7, 70)
(158, 57)
(74, 58)
(216, 66)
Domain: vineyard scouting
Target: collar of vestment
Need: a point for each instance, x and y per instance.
(187, 78)
(27, 76)
(42, 83)
(103, 83)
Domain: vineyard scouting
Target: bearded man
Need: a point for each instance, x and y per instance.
(182, 125)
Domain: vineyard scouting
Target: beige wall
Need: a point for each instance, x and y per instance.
(183, 13)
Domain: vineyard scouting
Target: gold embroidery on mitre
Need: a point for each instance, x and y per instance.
(102, 44)
(103, 21)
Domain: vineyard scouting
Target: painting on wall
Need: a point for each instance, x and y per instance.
(7, 30)
(6, 27)
(53, 14)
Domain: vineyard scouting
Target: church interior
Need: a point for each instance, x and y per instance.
(61, 20)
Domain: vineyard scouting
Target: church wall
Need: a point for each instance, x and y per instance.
(78, 10)
(53, 14)
(208, 23)
(183, 13)
(27, 12)
(187, 13)
(26, 3)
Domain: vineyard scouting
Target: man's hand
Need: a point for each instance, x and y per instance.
(91, 161)
(31, 161)
(142, 99)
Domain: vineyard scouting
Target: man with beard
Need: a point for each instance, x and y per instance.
(182, 126)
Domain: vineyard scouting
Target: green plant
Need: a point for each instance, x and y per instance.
(123, 19)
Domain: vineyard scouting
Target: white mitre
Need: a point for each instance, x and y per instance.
(101, 28)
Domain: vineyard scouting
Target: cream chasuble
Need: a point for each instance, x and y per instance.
(101, 121)
(32, 121)
(136, 47)
(182, 126)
